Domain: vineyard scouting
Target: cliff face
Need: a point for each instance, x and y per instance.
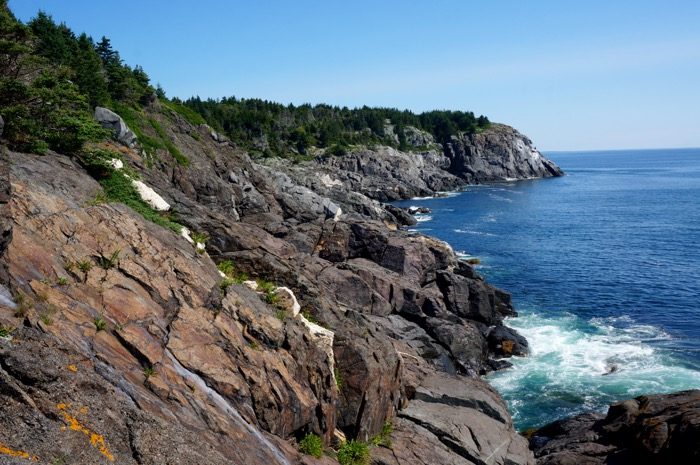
(499, 153)
(123, 343)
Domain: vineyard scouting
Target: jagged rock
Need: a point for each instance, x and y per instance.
(238, 374)
(420, 210)
(655, 429)
(454, 420)
(110, 120)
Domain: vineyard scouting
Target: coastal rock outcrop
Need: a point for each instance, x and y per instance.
(654, 429)
(499, 153)
(375, 325)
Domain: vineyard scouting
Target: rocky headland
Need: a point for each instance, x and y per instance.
(175, 294)
(125, 343)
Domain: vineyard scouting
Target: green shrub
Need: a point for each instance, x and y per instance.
(338, 378)
(311, 445)
(353, 453)
(200, 238)
(62, 281)
(85, 265)
(100, 323)
(226, 267)
(383, 438)
(149, 371)
(6, 331)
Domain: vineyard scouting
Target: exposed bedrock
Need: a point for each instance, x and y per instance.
(654, 429)
(124, 326)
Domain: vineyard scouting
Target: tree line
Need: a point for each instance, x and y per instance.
(275, 129)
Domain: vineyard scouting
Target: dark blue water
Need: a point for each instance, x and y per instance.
(604, 268)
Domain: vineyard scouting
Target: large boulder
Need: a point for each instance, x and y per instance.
(112, 121)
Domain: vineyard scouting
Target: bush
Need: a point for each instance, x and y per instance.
(383, 438)
(311, 445)
(353, 453)
(227, 268)
(100, 323)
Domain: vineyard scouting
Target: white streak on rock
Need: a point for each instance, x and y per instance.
(184, 232)
(150, 196)
(330, 182)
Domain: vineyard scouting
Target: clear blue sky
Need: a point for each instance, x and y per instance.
(573, 75)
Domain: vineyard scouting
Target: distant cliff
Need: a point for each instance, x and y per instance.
(384, 173)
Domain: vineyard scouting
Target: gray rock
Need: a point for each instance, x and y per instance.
(418, 138)
(110, 120)
(500, 153)
(656, 429)
(2, 125)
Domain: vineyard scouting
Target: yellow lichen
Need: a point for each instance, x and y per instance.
(73, 368)
(96, 440)
(17, 453)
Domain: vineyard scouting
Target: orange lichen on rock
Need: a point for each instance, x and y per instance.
(73, 368)
(96, 440)
(508, 346)
(17, 453)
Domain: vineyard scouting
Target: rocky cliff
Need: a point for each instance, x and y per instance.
(499, 153)
(122, 342)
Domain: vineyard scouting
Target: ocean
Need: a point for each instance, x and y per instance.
(604, 268)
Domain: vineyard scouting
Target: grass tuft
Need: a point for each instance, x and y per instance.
(100, 323)
(312, 445)
(353, 453)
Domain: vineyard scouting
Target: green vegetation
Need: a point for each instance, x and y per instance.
(50, 79)
(231, 276)
(109, 262)
(268, 291)
(149, 371)
(226, 267)
(100, 323)
(85, 265)
(24, 303)
(281, 314)
(383, 438)
(292, 130)
(165, 140)
(338, 378)
(189, 114)
(202, 238)
(353, 453)
(62, 281)
(6, 331)
(118, 186)
(312, 445)
(46, 318)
